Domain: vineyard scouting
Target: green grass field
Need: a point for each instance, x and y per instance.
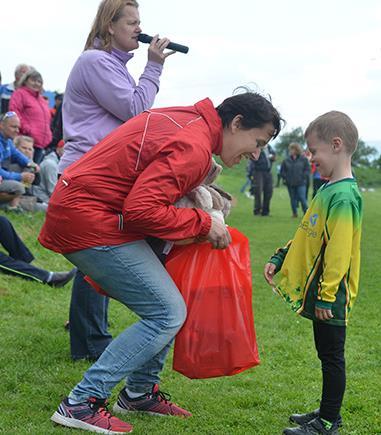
(36, 370)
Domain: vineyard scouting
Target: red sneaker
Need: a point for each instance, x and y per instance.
(154, 403)
(91, 415)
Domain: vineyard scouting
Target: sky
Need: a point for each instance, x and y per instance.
(310, 56)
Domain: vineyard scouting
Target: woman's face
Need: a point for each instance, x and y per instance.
(125, 31)
(241, 143)
(34, 83)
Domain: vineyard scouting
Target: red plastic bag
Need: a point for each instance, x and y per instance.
(218, 336)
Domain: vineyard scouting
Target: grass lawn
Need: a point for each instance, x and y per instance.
(36, 370)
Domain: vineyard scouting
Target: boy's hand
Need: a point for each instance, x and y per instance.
(323, 314)
(269, 272)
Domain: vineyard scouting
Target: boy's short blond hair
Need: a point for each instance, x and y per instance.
(335, 124)
(19, 139)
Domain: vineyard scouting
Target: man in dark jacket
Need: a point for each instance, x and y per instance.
(263, 181)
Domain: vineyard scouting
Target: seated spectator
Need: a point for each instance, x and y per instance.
(25, 145)
(12, 187)
(29, 201)
(10, 193)
(33, 112)
(19, 258)
(8, 89)
(48, 174)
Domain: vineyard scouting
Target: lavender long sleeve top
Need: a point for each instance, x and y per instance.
(100, 95)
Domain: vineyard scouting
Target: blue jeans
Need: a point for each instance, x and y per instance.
(89, 334)
(132, 274)
(298, 194)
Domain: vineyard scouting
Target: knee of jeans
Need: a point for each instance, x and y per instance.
(177, 314)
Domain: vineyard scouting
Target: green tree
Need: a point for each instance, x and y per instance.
(377, 163)
(284, 140)
(364, 154)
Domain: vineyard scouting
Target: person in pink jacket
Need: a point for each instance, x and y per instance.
(33, 112)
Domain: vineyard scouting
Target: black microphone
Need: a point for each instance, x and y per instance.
(146, 39)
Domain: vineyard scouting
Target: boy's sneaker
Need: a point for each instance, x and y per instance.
(154, 403)
(314, 427)
(91, 415)
(302, 419)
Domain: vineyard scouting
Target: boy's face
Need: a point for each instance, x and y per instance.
(323, 155)
(26, 148)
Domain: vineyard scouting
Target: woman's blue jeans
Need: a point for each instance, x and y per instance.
(132, 274)
(298, 194)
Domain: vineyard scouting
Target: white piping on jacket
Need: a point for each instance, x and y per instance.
(146, 127)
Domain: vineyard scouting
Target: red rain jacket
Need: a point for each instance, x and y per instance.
(125, 187)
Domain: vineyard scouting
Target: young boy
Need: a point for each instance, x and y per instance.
(319, 269)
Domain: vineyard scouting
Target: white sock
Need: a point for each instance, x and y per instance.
(132, 394)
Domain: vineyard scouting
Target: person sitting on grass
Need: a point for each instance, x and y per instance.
(19, 258)
(48, 174)
(319, 269)
(12, 186)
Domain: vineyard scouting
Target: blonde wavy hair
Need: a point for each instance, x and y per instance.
(108, 11)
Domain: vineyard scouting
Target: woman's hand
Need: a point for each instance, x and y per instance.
(218, 234)
(156, 50)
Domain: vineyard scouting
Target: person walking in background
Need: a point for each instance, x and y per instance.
(320, 268)
(101, 95)
(33, 112)
(278, 175)
(248, 182)
(307, 155)
(263, 181)
(107, 204)
(294, 170)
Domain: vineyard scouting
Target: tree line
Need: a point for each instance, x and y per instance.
(365, 155)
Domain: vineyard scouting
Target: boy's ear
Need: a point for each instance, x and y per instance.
(337, 144)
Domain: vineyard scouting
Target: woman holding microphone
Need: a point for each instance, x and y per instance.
(101, 95)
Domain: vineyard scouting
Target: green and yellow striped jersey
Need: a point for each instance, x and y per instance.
(321, 265)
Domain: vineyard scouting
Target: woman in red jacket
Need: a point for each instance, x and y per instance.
(108, 202)
(33, 112)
